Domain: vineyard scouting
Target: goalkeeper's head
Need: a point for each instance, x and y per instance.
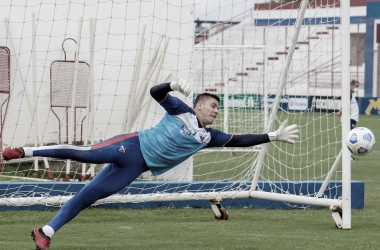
(206, 107)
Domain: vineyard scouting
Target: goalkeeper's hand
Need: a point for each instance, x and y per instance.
(182, 86)
(285, 133)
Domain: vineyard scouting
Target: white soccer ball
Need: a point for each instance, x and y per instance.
(360, 141)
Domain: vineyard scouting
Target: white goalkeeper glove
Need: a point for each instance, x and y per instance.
(182, 86)
(285, 133)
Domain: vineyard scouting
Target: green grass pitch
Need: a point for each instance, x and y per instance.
(197, 228)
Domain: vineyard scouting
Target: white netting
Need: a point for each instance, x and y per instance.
(213, 44)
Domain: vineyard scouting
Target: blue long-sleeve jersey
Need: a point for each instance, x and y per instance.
(176, 137)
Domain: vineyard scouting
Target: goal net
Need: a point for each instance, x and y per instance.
(267, 61)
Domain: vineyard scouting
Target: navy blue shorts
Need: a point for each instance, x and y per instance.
(126, 163)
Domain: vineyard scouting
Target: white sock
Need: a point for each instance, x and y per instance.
(48, 231)
(28, 151)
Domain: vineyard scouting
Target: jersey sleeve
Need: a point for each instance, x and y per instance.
(160, 91)
(171, 104)
(175, 106)
(248, 140)
(218, 138)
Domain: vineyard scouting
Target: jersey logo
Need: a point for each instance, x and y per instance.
(122, 149)
(186, 130)
(183, 132)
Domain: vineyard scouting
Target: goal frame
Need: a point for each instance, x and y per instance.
(343, 203)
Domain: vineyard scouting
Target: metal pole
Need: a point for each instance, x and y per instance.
(286, 44)
(357, 53)
(222, 62)
(266, 110)
(89, 91)
(72, 122)
(242, 63)
(203, 68)
(34, 90)
(346, 160)
(225, 121)
(308, 62)
(332, 59)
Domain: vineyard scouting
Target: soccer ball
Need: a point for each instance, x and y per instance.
(360, 141)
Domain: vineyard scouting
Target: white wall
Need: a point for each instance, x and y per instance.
(116, 39)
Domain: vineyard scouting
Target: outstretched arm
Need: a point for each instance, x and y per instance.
(248, 140)
(284, 134)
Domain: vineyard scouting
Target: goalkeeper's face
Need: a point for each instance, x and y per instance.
(207, 109)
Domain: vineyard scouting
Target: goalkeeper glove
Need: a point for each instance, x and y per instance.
(182, 86)
(285, 134)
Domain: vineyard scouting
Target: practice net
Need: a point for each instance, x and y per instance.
(267, 61)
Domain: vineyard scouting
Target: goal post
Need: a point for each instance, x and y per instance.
(346, 159)
(267, 62)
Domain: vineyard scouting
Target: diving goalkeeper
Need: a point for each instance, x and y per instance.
(181, 132)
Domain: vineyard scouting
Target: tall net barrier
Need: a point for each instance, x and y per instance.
(81, 73)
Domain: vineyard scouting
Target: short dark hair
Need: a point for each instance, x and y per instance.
(353, 82)
(205, 96)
